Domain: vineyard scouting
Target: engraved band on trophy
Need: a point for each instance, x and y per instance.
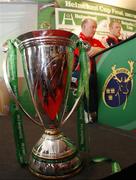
(47, 63)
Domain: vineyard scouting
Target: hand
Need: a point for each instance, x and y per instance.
(93, 51)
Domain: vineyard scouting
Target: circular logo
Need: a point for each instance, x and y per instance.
(118, 86)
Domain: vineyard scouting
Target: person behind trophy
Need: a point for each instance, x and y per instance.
(114, 34)
(88, 30)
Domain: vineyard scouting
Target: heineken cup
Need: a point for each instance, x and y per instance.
(47, 58)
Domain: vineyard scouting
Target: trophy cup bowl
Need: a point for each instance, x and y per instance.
(47, 57)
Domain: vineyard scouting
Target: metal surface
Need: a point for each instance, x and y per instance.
(47, 71)
(47, 62)
(55, 156)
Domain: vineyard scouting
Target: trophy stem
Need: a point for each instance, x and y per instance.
(54, 156)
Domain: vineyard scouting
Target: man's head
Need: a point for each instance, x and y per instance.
(88, 27)
(115, 28)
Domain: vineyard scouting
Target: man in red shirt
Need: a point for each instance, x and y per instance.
(88, 29)
(113, 36)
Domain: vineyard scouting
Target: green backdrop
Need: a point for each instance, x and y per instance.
(117, 85)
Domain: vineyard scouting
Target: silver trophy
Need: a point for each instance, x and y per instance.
(47, 58)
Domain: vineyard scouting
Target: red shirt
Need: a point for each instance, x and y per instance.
(112, 40)
(92, 41)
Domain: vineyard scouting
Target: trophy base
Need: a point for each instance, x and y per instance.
(54, 156)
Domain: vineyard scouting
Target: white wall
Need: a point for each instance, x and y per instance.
(16, 19)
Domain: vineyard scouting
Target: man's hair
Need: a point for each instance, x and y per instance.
(84, 21)
(114, 21)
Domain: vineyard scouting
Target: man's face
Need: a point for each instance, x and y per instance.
(90, 28)
(115, 29)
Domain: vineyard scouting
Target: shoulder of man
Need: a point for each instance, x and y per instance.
(104, 41)
(98, 43)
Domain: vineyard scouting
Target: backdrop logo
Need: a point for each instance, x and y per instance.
(118, 86)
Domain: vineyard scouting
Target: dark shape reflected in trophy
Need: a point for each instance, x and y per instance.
(47, 63)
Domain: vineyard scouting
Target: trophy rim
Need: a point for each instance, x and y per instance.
(47, 37)
(47, 33)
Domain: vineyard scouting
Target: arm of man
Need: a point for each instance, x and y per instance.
(96, 47)
(94, 50)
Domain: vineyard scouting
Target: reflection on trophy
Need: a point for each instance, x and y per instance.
(47, 63)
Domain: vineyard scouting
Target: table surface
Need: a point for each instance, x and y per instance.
(104, 141)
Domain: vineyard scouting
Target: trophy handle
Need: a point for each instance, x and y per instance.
(11, 92)
(73, 108)
(83, 84)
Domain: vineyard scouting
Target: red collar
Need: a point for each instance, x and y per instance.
(85, 38)
(114, 38)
